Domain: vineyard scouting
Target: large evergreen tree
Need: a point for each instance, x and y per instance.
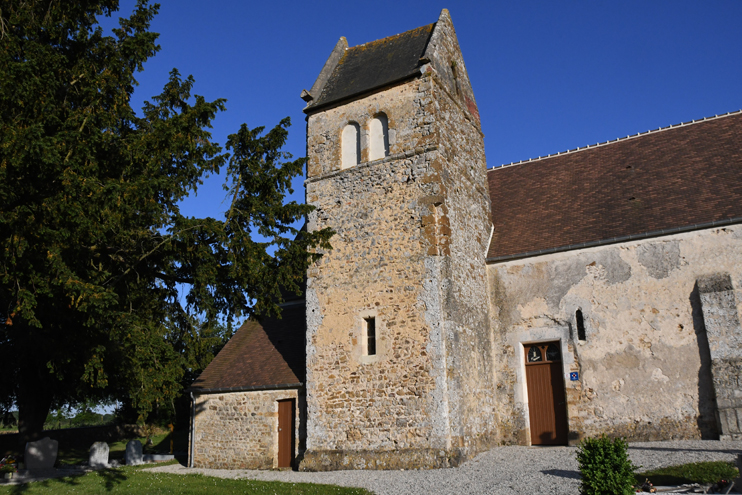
(93, 249)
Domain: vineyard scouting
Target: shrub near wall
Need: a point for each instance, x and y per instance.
(605, 467)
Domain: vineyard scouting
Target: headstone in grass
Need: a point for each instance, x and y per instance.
(41, 455)
(98, 455)
(133, 455)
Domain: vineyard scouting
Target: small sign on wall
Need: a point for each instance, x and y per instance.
(574, 376)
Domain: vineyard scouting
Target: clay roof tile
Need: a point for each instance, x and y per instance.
(672, 178)
(270, 353)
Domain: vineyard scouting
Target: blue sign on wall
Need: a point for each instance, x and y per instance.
(574, 376)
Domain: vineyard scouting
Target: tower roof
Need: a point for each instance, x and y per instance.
(360, 69)
(260, 355)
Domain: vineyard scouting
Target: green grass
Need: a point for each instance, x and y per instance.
(695, 472)
(128, 480)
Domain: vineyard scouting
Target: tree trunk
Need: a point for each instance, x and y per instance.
(34, 399)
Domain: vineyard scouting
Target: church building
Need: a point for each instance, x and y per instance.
(594, 291)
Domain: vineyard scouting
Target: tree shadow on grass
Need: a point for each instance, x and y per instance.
(109, 477)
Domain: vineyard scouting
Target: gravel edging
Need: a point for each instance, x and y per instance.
(503, 470)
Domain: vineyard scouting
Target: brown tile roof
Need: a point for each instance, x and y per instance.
(260, 355)
(672, 178)
(376, 64)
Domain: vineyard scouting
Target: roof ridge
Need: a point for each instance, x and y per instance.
(378, 41)
(612, 141)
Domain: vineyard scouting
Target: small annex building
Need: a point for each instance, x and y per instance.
(248, 406)
(594, 291)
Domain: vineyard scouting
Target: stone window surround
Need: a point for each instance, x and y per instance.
(377, 137)
(560, 334)
(580, 322)
(350, 152)
(364, 138)
(360, 336)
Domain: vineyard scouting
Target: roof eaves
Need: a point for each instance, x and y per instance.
(279, 386)
(325, 105)
(615, 240)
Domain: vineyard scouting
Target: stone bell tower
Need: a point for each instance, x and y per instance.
(399, 351)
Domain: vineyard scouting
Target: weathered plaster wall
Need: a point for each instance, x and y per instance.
(239, 430)
(411, 236)
(645, 371)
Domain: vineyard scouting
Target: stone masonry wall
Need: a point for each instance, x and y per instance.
(239, 430)
(645, 371)
(399, 222)
(359, 406)
(466, 209)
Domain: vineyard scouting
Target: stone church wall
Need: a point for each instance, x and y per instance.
(239, 430)
(411, 233)
(363, 408)
(645, 368)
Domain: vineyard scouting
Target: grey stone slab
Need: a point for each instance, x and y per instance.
(98, 455)
(157, 457)
(41, 455)
(133, 455)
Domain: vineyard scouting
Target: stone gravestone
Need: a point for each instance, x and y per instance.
(41, 454)
(133, 453)
(98, 455)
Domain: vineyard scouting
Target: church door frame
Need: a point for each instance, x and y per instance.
(546, 393)
(286, 426)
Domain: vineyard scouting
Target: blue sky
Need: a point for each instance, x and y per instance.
(548, 76)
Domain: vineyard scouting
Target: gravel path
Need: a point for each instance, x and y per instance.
(503, 470)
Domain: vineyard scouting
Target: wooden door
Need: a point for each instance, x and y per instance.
(547, 407)
(286, 409)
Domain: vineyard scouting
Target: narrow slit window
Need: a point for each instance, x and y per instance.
(580, 322)
(370, 336)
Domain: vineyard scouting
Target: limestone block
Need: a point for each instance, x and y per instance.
(98, 455)
(41, 454)
(133, 456)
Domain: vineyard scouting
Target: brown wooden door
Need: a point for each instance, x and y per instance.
(547, 408)
(286, 410)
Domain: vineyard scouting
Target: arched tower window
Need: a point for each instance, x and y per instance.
(378, 130)
(351, 146)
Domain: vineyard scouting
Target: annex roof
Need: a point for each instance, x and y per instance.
(679, 177)
(363, 68)
(260, 355)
